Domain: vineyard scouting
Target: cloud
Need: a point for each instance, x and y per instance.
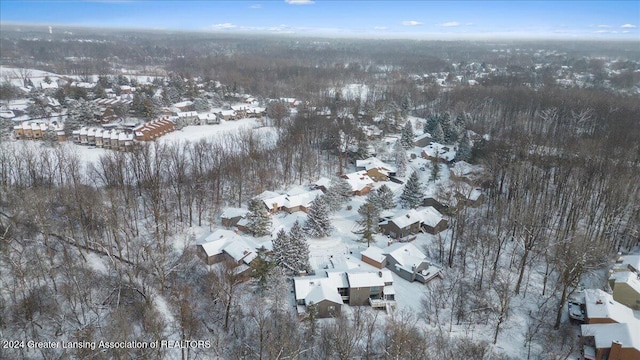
(450, 24)
(469, 24)
(224, 26)
(411, 23)
(380, 28)
(255, 6)
(300, 2)
(604, 26)
(628, 26)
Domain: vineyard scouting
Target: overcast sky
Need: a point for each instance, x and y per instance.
(377, 19)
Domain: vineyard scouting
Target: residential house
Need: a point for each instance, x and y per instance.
(231, 216)
(467, 195)
(436, 204)
(617, 341)
(413, 221)
(374, 256)
(410, 263)
(240, 110)
(153, 129)
(291, 203)
(186, 118)
(376, 169)
(438, 152)
(225, 245)
(360, 182)
(422, 140)
(226, 115)
(208, 119)
(184, 106)
(625, 280)
(470, 174)
(318, 292)
(328, 290)
(322, 184)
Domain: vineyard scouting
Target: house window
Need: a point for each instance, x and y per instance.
(375, 289)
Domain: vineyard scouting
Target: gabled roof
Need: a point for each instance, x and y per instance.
(372, 163)
(358, 180)
(601, 305)
(626, 334)
(232, 212)
(444, 152)
(405, 254)
(374, 253)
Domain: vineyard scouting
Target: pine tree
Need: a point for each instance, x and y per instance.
(449, 129)
(431, 123)
(261, 267)
(281, 250)
(385, 197)
(318, 224)
(406, 139)
(438, 134)
(258, 220)
(435, 169)
(401, 160)
(338, 194)
(370, 214)
(299, 248)
(201, 104)
(412, 193)
(464, 148)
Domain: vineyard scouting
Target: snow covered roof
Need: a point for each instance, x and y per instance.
(322, 292)
(374, 253)
(624, 261)
(291, 201)
(627, 277)
(358, 180)
(372, 162)
(183, 104)
(463, 168)
(323, 181)
(7, 114)
(406, 254)
(184, 114)
(228, 242)
(626, 334)
(445, 152)
(239, 250)
(316, 289)
(365, 279)
(231, 212)
(601, 305)
(429, 216)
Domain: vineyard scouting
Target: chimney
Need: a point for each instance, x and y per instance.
(616, 350)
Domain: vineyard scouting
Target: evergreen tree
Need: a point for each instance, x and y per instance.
(435, 169)
(464, 148)
(262, 267)
(430, 125)
(339, 192)
(460, 123)
(449, 129)
(318, 223)
(406, 139)
(258, 220)
(201, 104)
(385, 197)
(438, 134)
(368, 222)
(81, 113)
(299, 248)
(401, 160)
(412, 193)
(281, 246)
